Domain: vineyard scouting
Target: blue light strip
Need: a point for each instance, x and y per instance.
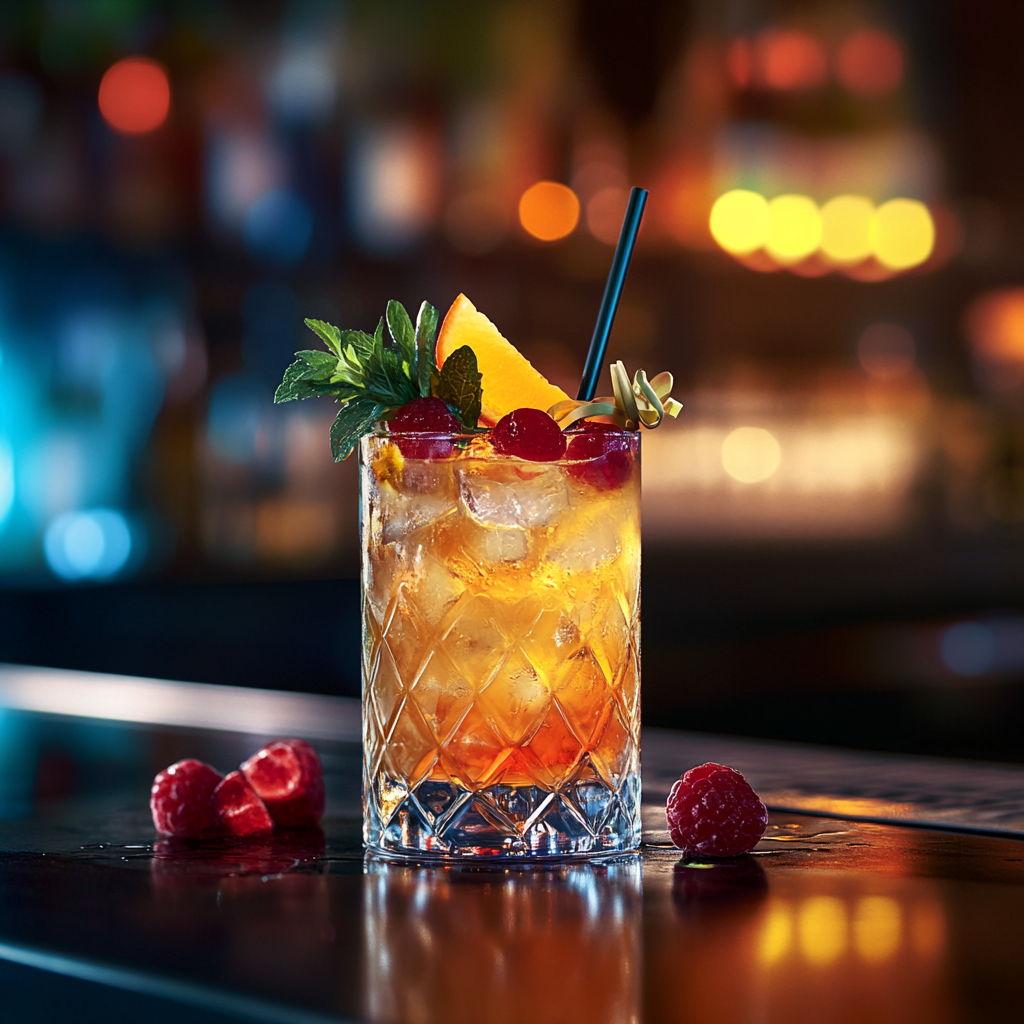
(184, 992)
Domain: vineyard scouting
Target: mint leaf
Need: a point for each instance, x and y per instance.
(310, 376)
(354, 419)
(402, 332)
(371, 377)
(458, 386)
(328, 333)
(426, 333)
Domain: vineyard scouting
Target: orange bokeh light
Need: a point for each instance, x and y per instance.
(791, 60)
(135, 95)
(869, 62)
(549, 211)
(995, 325)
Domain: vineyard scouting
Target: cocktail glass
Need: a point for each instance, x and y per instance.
(501, 649)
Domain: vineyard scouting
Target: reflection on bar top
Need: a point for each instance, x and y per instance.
(936, 792)
(192, 705)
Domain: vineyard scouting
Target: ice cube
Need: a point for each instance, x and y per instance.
(427, 476)
(435, 589)
(580, 550)
(496, 543)
(504, 498)
(426, 492)
(403, 514)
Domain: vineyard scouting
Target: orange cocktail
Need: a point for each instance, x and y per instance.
(501, 646)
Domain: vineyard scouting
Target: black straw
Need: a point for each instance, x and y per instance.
(612, 293)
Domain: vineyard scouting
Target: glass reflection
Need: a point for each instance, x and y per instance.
(468, 944)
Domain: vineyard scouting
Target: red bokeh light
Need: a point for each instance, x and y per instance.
(791, 60)
(135, 95)
(869, 63)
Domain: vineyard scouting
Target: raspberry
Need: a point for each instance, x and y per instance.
(180, 799)
(424, 416)
(288, 777)
(239, 809)
(529, 434)
(712, 811)
(601, 454)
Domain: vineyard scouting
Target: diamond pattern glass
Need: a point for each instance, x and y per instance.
(501, 653)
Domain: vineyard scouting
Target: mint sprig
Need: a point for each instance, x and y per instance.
(372, 376)
(458, 386)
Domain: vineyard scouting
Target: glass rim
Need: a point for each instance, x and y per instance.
(447, 435)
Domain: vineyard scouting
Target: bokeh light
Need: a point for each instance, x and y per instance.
(902, 234)
(549, 211)
(869, 62)
(740, 221)
(886, 351)
(394, 185)
(791, 60)
(822, 927)
(846, 229)
(605, 213)
(968, 648)
(751, 454)
(995, 325)
(93, 544)
(6, 480)
(877, 928)
(135, 96)
(776, 938)
(278, 227)
(236, 416)
(795, 228)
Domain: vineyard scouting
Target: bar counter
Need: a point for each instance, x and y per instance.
(885, 889)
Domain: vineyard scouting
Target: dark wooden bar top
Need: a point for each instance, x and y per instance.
(876, 895)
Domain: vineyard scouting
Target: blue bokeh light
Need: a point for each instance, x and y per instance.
(94, 544)
(279, 227)
(968, 648)
(236, 413)
(6, 480)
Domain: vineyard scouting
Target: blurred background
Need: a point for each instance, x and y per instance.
(831, 265)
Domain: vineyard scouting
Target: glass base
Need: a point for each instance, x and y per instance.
(440, 820)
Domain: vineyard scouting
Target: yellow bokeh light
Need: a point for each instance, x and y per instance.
(846, 229)
(750, 454)
(794, 231)
(776, 936)
(902, 234)
(822, 929)
(877, 925)
(549, 211)
(740, 221)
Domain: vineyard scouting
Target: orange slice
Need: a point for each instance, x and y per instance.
(509, 381)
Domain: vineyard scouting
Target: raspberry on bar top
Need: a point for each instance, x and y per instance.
(712, 811)
(180, 799)
(239, 809)
(282, 784)
(288, 777)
